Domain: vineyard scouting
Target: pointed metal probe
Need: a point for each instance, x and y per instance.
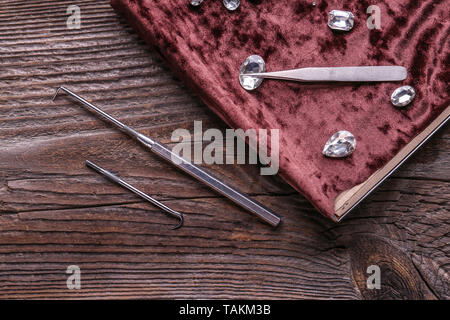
(141, 194)
(200, 174)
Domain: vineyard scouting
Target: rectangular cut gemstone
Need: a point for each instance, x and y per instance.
(340, 20)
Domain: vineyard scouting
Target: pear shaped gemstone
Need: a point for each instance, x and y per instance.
(403, 96)
(253, 64)
(231, 4)
(341, 144)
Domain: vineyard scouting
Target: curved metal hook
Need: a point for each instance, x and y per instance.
(57, 92)
(181, 222)
(143, 195)
(170, 211)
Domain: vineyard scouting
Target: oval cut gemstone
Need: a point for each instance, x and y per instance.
(196, 3)
(341, 144)
(340, 20)
(403, 96)
(253, 64)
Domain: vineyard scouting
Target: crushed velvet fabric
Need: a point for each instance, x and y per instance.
(206, 45)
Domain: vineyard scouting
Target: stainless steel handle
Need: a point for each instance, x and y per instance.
(207, 178)
(344, 74)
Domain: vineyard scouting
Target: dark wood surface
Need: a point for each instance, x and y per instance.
(54, 212)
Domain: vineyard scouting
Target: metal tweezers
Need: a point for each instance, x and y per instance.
(200, 174)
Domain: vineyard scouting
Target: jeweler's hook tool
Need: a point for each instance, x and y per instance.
(200, 174)
(141, 194)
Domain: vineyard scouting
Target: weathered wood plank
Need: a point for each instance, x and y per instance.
(54, 212)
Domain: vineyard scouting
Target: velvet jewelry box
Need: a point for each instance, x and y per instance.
(206, 45)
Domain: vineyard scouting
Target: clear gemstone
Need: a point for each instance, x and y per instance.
(341, 144)
(253, 64)
(402, 96)
(340, 20)
(231, 4)
(196, 2)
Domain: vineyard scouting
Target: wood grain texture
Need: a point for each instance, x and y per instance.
(54, 212)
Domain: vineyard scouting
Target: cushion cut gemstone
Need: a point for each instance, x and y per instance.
(341, 144)
(340, 20)
(231, 4)
(196, 2)
(253, 64)
(403, 96)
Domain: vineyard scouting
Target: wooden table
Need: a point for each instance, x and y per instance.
(54, 212)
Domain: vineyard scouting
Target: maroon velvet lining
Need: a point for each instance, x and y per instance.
(206, 45)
